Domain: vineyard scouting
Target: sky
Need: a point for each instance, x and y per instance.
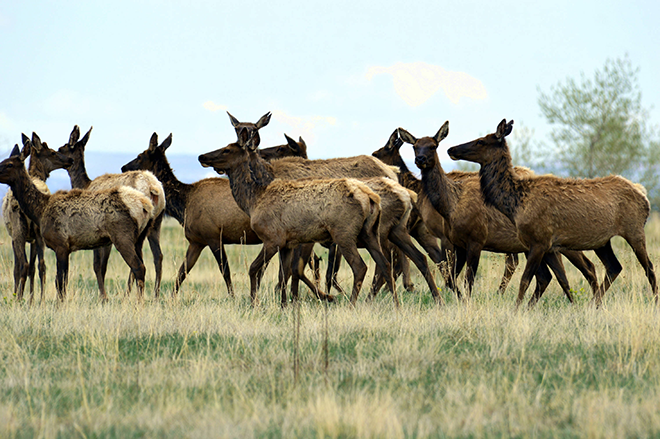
(341, 74)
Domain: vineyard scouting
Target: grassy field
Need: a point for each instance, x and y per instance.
(204, 365)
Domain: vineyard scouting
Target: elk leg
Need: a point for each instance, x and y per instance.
(218, 250)
(39, 243)
(379, 277)
(285, 272)
(373, 247)
(154, 243)
(31, 268)
(20, 268)
(510, 264)
(586, 267)
(359, 268)
(639, 247)
(459, 259)
(403, 267)
(534, 260)
(543, 279)
(472, 261)
(101, 256)
(428, 241)
(61, 277)
(612, 270)
(128, 251)
(400, 237)
(553, 259)
(192, 254)
(258, 267)
(334, 261)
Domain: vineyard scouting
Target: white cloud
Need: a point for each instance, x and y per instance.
(416, 82)
(305, 126)
(212, 106)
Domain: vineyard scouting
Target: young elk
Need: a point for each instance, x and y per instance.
(553, 213)
(144, 182)
(426, 223)
(286, 213)
(472, 226)
(77, 219)
(20, 228)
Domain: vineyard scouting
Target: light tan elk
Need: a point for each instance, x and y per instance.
(144, 182)
(472, 226)
(552, 213)
(395, 207)
(286, 213)
(20, 228)
(76, 220)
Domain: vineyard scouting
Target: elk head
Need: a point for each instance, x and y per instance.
(149, 159)
(251, 128)
(75, 147)
(232, 155)
(484, 149)
(390, 152)
(13, 166)
(290, 149)
(425, 148)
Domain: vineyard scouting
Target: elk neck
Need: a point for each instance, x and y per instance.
(442, 192)
(248, 180)
(32, 200)
(500, 187)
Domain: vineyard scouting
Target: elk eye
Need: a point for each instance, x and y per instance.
(480, 142)
(10, 165)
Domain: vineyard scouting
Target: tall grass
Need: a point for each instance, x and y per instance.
(204, 365)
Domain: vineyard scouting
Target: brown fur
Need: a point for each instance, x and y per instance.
(143, 181)
(285, 213)
(21, 229)
(471, 226)
(553, 213)
(77, 219)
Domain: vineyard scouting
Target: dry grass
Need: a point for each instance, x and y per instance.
(203, 365)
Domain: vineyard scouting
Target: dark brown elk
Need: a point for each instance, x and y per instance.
(552, 213)
(205, 209)
(20, 228)
(286, 213)
(252, 129)
(76, 220)
(472, 226)
(145, 182)
(428, 224)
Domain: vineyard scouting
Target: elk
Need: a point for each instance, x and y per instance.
(428, 222)
(76, 220)
(143, 181)
(286, 213)
(20, 228)
(394, 205)
(552, 213)
(472, 226)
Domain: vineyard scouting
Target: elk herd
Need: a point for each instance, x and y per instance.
(277, 198)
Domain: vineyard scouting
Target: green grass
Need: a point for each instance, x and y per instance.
(205, 365)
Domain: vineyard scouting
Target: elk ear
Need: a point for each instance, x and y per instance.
(153, 142)
(263, 121)
(406, 136)
(442, 132)
(166, 143)
(234, 121)
(25, 152)
(24, 138)
(292, 144)
(14, 152)
(85, 138)
(394, 142)
(74, 136)
(503, 129)
(36, 143)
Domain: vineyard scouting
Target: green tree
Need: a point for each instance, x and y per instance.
(600, 126)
